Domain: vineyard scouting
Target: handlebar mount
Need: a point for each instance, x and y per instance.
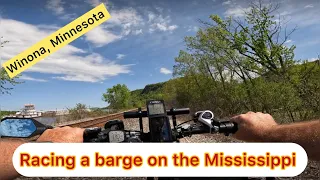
(160, 128)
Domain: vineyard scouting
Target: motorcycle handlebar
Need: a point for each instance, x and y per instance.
(170, 112)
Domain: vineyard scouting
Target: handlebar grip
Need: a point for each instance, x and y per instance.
(228, 127)
(130, 115)
(178, 111)
(135, 114)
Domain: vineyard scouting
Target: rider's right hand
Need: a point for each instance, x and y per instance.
(62, 135)
(254, 127)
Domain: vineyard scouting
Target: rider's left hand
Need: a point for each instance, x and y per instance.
(62, 135)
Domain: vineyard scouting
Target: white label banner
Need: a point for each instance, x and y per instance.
(160, 159)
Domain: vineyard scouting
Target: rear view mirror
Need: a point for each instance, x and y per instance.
(21, 127)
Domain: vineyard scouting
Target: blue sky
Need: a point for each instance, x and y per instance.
(135, 47)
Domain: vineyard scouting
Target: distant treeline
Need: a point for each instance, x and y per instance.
(120, 97)
(7, 113)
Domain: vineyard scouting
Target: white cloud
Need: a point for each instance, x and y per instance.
(289, 41)
(71, 16)
(95, 3)
(56, 6)
(159, 9)
(194, 3)
(296, 14)
(69, 63)
(28, 78)
(48, 27)
(313, 59)
(164, 27)
(125, 21)
(137, 32)
(236, 11)
(226, 2)
(120, 56)
(100, 36)
(172, 27)
(78, 77)
(193, 28)
(165, 71)
(130, 22)
(309, 6)
(162, 24)
(309, 43)
(125, 16)
(285, 13)
(151, 16)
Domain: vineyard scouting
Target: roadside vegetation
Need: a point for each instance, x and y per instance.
(235, 65)
(82, 111)
(6, 113)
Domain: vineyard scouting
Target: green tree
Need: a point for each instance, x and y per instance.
(118, 96)
(236, 65)
(6, 82)
(259, 38)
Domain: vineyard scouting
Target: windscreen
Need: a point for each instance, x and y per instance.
(155, 109)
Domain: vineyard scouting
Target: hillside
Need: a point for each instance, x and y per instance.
(149, 89)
